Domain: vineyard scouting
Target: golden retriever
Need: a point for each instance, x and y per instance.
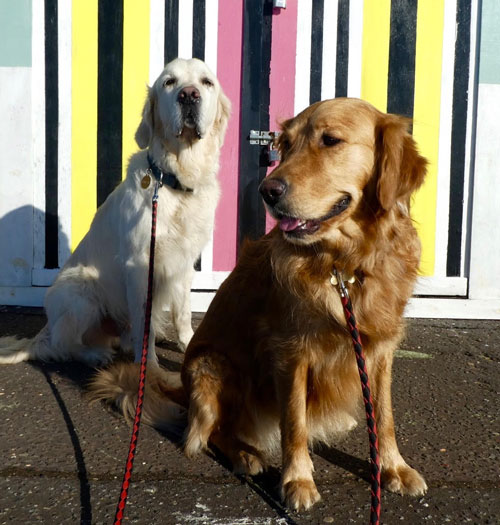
(272, 364)
(100, 293)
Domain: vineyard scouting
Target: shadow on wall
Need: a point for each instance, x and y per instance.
(31, 242)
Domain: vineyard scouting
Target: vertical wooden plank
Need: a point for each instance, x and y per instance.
(355, 48)
(229, 65)
(136, 44)
(109, 97)
(303, 55)
(185, 28)
(444, 159)
(198, 22)
(156, 39)
(210, 28)
(254, 115)
(329, 50)
(458, 137)
(428, 62)
(316, 69)
(84, 125)
(65, 116)
(211, 33)
(171, 31)
(51, 134)
(38, 130)
(282, 74)
(376, 36)
(342, 55)
(401, 81)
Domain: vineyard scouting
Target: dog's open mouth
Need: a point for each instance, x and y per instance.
(191, 118)
(297, 227)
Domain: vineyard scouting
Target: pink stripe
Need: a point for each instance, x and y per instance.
(229, 65)
(282, 76)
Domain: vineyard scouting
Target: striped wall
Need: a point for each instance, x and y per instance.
(90, 61)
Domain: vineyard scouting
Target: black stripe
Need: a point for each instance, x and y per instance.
(199, 29)
(342, 59)
(254, 115)
(171, 30)
(316, 51)
(51, 134)
(402, 46)
(458, 136)
(109, 97)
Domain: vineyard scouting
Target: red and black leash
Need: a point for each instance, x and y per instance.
(120, 509)
(367, 399)
(358, 348)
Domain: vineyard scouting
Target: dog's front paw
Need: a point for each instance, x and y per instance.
(183, 338)
(248, 464)
(300, 494)
(404, 480)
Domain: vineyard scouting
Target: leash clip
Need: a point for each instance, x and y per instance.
(337, 280)
(158, 185)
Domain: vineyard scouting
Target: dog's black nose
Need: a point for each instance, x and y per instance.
(272, 190)
(188, 95)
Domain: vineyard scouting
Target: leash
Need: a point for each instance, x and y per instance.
(120, 509)
(367, 398)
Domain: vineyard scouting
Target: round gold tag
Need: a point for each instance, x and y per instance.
(145, 182)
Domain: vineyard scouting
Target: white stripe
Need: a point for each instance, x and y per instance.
(328, 71)
(38, 127)
(211, 29)
(355, 48)
(64, 132)
(156, 39)
(444, 158)
(186, 29)
(303, 55)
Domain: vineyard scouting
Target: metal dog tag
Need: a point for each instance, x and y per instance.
(145, 182)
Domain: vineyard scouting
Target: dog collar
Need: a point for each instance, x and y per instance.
(166, 177)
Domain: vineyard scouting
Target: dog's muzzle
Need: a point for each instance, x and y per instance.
(189, 99)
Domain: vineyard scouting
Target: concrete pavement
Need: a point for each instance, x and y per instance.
(62, 460)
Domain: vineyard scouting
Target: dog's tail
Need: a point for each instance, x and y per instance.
(165, 400)
(14, 350)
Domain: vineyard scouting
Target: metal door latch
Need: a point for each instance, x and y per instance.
(266, 138)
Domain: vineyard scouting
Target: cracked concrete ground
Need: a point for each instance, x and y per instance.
(63, 459)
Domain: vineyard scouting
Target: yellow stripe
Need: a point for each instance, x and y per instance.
(428, 63)
(135, 71)
(376, 37)
(84, 118)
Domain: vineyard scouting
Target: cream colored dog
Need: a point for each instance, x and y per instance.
(98, 299)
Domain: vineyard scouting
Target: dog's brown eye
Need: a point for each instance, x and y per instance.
(169, 82)
(328, 140)
(207, 82)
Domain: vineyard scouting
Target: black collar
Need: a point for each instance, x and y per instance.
(166, 177)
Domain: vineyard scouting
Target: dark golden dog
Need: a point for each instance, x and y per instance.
(272, 365)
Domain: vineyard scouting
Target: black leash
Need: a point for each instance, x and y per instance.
(367, 398)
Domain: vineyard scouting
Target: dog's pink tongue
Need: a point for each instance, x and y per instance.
(288, 224)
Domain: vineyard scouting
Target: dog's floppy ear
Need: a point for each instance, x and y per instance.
(144, 132)
(222, 115)
(401, 169)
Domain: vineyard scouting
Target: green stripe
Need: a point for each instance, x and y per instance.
(15, 33)
(489, 64)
